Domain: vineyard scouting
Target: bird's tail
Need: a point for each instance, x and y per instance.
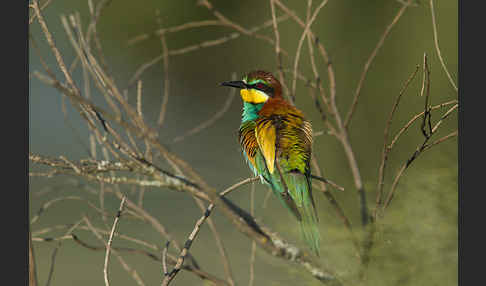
(302, 195)
(300, 203)
(308, 226)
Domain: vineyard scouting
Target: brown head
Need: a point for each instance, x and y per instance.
(257, 87)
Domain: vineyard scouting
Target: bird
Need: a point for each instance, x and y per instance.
(276, 141)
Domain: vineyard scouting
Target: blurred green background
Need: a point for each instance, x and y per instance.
(418, 235)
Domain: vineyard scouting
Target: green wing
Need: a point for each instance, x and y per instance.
(292, 148)
(262, 143)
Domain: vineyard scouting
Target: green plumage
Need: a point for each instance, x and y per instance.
(276, 141)
(300, 203)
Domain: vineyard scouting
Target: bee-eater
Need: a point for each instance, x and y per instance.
(276, 141)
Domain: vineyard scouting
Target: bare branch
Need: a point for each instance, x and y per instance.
(168, 278)
(415, 118)
(407, 164)
(427, 133)
(219, 243)
(160, 179)
(50, 41)
(139, 99)
(164, 259)
(110, 241)
(386, 150)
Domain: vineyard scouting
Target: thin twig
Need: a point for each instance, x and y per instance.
(198, 46)
(440, 140)
(168, 278)
(48, 204)
(219, 244)
(278, 52)
(32, 267)
(224, 20)
(164, 258)
(415, 118)
(267, 196)
(449, 112)
(213, 119)
(50, 41)
(342, 132)
(436, 42)
(386, 150)
(54, 253)
(125, 266)
(301, 41)
(322, 92)
(329, 182)
(322, 49)
(165, 56)
(139, 99)
(92, 29)
(179, 28)
(337, 207)
(427, 134)
(370, 61)
(427, 114)
(171, 260)
(407, 164)
(151, 219)
(110, 241)
(32, 18)
(368, 241)
(253, 244)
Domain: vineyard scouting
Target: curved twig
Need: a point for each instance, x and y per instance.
(436, 42)
(110, 241)
(370, 60)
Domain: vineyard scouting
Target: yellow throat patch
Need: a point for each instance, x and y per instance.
(253, 96)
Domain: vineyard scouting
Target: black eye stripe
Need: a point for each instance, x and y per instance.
(262, 87)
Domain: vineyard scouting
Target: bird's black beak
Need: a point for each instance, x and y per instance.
(237, 84)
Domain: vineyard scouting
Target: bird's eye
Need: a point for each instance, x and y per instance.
(260, 86)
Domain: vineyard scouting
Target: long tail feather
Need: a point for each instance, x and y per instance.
(300, 190)
(298, 200)
(309, 227)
